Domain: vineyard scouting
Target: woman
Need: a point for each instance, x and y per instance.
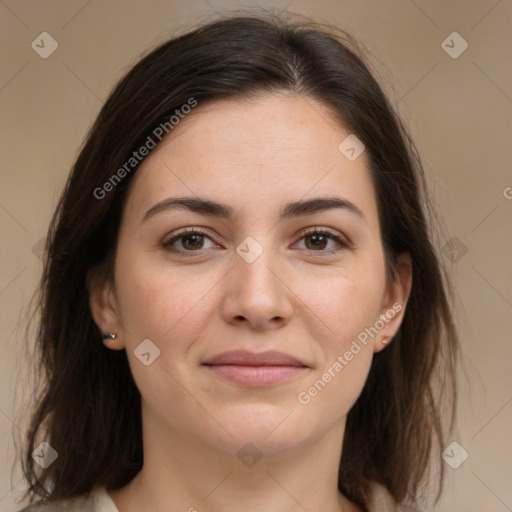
(241, 306)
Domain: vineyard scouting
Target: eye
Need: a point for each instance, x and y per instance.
(188, 240)
(318, 240)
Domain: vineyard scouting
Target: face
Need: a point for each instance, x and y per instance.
(263, 294)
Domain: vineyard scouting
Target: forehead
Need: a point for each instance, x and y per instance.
(259, 130)
(254, 150)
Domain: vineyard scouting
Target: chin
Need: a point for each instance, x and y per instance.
(271, 428)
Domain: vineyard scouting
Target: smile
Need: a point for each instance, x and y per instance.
(255, 370)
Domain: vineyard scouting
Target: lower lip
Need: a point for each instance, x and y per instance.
(256, 376)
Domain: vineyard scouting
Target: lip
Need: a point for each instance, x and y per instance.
(256, 369)
(247, 358)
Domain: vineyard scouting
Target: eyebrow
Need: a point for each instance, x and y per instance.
(215, 209)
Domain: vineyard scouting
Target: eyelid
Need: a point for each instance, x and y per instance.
(182, 232)
(342, 240)
(173, 237)
(321, 229)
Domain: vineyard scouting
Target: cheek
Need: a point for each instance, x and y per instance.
(348, 308)
(354, 308)
(170, 307)
(346, 302)
(334, 389)
(162, 303)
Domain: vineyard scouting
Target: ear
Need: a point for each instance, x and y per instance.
(394, 302)
(103, 306)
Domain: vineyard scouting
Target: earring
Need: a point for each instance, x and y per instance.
(386, 339)
(109, 336)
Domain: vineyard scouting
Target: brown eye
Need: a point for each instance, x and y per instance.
(188, 241)
(316, 241)
(322, 242)
(192, 241)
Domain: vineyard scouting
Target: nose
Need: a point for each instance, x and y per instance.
(257, 294)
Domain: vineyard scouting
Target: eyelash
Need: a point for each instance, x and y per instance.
(167, 243)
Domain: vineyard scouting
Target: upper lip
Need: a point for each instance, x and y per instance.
(247, 358)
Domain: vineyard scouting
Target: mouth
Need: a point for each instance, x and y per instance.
(255, 370)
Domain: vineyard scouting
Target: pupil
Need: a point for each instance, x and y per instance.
(317, 240)
(196, 239)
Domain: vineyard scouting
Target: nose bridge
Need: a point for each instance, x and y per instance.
(257, 264)
(257, 292)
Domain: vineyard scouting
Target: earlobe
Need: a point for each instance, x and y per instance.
(104, 310)
(395, 301)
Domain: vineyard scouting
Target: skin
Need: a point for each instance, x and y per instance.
(255, 156)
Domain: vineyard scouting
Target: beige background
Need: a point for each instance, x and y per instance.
(459, 111)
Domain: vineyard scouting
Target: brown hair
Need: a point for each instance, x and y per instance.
(88, 408)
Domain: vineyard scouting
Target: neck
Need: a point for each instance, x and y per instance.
(184, 474)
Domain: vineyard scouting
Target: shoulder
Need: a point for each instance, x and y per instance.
(381, 500)
(97, 500)
(71, 505)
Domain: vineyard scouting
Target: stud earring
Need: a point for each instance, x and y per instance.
(109, 336)
(386, 340)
